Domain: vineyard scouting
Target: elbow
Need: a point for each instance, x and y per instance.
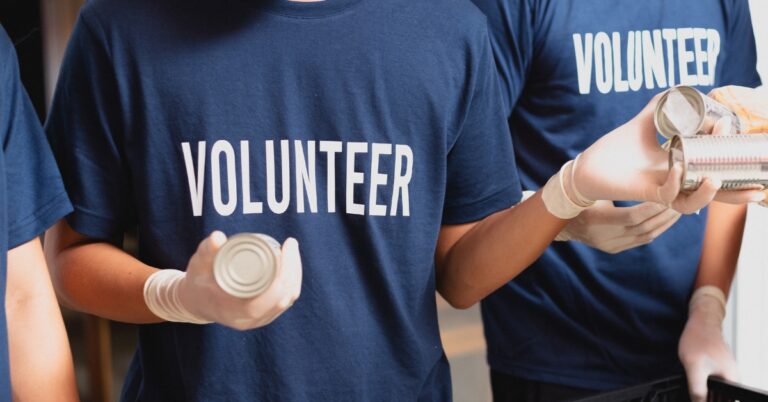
(63, 285)
(457, 293)
(462, 304)
(457, 301)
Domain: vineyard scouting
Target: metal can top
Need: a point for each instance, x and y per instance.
(680, 111)
(246, 265)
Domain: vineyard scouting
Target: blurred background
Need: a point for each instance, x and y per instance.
(102, 349)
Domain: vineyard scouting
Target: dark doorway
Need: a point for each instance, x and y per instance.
(21, 19)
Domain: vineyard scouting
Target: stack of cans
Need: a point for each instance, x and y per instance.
(738, 161)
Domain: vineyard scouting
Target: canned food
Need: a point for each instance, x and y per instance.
(684, 111)
(740, 162)
(247, 264)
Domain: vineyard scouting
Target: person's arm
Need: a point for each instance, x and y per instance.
(474, 259)
(722, 243)
(702, 348)
(96, 277)
(40, 358)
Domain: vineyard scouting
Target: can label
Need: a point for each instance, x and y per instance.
(246, 265)
(740, 162)
(686, 112)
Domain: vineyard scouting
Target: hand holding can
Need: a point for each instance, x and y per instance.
(249, 298)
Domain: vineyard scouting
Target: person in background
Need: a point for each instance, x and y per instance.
(371, 131)
(605, 306)
(35, 359)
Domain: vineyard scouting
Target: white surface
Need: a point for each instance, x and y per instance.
(748, 309)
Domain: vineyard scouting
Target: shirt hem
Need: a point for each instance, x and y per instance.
(597, 381)
(475, 211)
(33, 225)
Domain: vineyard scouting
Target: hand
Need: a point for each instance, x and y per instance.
(613, 230)
(628, 164)
(201, 295)
(702, 349)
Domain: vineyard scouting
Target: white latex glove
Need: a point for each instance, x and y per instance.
(614, 229)
(702, 349)
(195, 296)
(628, 164)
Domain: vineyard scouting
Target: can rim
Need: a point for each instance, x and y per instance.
(266, 248)
(663, 125)
(677, 150)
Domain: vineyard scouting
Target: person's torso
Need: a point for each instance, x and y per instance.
(579, 316)
(330, 126)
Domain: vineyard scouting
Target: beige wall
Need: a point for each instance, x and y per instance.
(58, 18)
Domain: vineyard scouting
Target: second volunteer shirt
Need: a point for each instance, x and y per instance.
(32, 196)
(357, 127)
(572, 70)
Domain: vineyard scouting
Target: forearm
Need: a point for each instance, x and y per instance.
(96, 277)
(722, 243)
(39, 353)
(495, 250)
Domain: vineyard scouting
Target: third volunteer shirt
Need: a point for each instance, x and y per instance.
(356, 126)
(572, 70)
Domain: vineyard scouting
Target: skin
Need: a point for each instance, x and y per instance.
(722, 242)
(40, 357)
(469, 267)
(96, 277)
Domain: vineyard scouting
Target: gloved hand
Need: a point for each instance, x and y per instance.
(612, 229)
(628, 164)
(195, 297)
(702, 349)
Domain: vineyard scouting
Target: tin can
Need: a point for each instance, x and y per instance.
(685, 111)
(246, 265)
(739, 161)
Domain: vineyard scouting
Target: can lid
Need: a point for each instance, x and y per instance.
(679, 112)
(247, 264)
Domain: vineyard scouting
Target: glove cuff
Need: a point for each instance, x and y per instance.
(709, 294)
(560, 196)
(161, 294)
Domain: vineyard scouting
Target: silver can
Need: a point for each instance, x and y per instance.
(246, 265)
(739, 161)
(685, 111)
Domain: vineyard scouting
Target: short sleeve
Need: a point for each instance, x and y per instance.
(739, 63)
(512, 37)
(482, 176)
(35, 194)
(85, 131)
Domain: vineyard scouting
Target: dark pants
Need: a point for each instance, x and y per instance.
(507, 388)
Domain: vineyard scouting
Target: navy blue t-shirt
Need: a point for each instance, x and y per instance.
(358, 127)
(572, 70)
(32, 195)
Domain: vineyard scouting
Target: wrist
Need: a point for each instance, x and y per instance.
(570, 185)
(709, 303)
(560, 195)
(162, 296)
